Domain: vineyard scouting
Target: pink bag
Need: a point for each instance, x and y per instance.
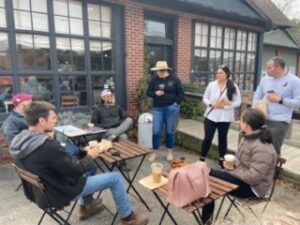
(188, 183)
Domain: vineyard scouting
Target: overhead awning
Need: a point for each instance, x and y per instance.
(232, 10)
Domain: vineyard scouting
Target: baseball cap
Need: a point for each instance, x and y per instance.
(21, 97)
(105, 92)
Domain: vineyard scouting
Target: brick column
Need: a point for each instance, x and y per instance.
(182, 50)
(134, 49)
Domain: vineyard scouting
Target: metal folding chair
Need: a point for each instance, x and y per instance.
(37, 186)
(249, 203)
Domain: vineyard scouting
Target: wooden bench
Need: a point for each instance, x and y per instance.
(219, 189)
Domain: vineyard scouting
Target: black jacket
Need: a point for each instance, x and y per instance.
(172, 88)
(108, 116)
(62, 175)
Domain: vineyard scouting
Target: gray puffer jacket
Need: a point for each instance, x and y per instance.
(256, 163)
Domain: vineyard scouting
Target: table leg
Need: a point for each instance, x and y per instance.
(219, 209)
(131, 180)
(166, 210)
(198, 217)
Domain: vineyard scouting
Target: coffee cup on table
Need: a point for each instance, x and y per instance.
(91, 125)
(157, 169)
(93, 143)
(229, 160)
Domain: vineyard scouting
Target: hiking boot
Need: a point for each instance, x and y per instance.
(89, 200)
(135, 219)
(86, 212)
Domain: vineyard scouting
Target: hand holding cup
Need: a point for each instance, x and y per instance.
(229, 161)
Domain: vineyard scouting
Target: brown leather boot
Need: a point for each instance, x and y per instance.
(86, 212)
(134, 219)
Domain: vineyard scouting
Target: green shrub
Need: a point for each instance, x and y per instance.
(78, 119)
(191, 109)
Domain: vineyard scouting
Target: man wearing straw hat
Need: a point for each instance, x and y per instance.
(167, 93)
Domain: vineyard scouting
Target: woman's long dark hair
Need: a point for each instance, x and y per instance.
(256, 119)
(231, 89)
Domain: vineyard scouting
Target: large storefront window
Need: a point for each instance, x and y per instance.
(4, 52)
(70, 54)
(61, 51)
(31, 15)
(33, 52)
(2, 14)
(68, 17)
(99, 21)
(6, 90)
(216, 45)
(41, 87)
(73, 91)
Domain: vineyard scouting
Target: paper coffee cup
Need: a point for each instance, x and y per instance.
(230, 160)
(90, 125)
(157, 169)
(93, 143)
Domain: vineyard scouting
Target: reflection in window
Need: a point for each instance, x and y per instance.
(228, 58)
(31, 15)
(2, 14)
(229, 39)
(252, 42)
(155, 29)
(99, 21)
(226, 46)
(4, 52)
(101, 55)
(70, 54)
(201, 35)
(216, 37)
(99, 83)
(40, 87)
(241, 40)
(73, 91)
(214, 60)
(33, 52)
(200, 60)
(68, 17)
(6, 94)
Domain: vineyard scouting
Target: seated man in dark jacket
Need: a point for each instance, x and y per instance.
(63, 175)
(15, 122)
(111, 116)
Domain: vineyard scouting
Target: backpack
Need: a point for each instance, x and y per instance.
(188, 183)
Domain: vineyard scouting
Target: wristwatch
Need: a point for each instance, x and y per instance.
(281, 101)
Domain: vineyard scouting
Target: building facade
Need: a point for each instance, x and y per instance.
(67, 51)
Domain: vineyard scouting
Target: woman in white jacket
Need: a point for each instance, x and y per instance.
(221, 97)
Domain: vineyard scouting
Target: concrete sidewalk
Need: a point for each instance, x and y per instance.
(193, 132)
(15, 209)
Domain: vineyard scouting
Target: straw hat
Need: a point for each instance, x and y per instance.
(160, 65)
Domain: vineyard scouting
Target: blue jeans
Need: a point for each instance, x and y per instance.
(114, 182)
(164, 117)
(71, 149)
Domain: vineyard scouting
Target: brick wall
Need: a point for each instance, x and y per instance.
(134, 49)
(182, 47)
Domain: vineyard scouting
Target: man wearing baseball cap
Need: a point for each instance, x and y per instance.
(112, 117)
(15, 122)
